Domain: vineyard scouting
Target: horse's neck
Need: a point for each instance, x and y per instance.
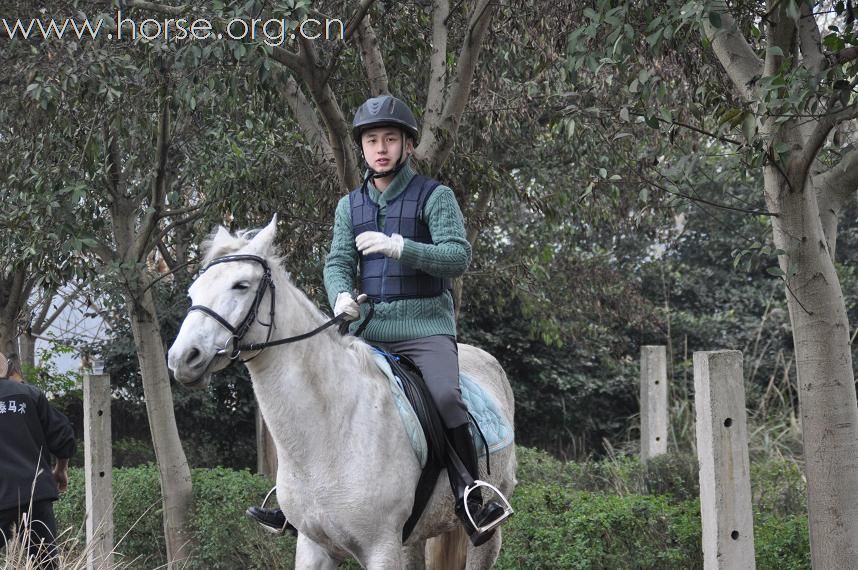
(310, 391)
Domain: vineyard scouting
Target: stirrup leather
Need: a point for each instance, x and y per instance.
(507, 508)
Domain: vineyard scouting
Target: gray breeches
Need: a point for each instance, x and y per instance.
(437, 357)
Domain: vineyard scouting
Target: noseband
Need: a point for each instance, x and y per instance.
(239, 331)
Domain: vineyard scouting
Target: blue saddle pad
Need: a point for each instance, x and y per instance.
(494, 424)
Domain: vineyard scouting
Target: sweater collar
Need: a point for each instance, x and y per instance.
(395, 188)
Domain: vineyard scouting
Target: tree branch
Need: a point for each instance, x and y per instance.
(165, 253)
(289, 59)
(437, 146)
(339, 134)
(114, 182)
(44, 322)
(149, 223)
(845, 55)
(735, 54)
(351, 27)
(780, 31)
(37, 322)
(840, 181)
(810, 40)
(169, 227)
(182, 211)
(438, 67)
(373, 62)
(309, 124)
(816, 138)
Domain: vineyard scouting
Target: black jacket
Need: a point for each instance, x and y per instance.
(30, 431)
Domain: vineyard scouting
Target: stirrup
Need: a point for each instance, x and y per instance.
(507, 508)
(272, 530)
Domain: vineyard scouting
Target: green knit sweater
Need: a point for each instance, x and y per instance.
(448, 256)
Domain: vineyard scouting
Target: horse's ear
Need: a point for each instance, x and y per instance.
(220, 235)
(262, 241)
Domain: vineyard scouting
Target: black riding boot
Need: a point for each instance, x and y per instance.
(463, 446)
(272, 520)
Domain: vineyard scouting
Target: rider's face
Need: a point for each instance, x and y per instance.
(383, 146)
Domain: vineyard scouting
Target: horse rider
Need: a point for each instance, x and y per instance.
(406, 235)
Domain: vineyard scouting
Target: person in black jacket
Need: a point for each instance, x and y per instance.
(30, 432)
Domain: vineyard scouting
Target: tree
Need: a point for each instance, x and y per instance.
(776, 91)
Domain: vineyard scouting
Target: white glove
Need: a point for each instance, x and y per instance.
(346, 304)
(377, 242)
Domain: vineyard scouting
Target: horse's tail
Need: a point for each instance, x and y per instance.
(447, 551)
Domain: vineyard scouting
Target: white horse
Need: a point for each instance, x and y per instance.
(346, 472)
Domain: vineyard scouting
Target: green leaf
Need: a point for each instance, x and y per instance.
(654, 38)
(624, 115)
(833, 42)
(776, 271)
(749, 126)
(715, 19)
(774, 51)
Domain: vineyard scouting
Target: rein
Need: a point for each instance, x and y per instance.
(239, 331)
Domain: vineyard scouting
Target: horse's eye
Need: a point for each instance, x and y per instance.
(241, 285)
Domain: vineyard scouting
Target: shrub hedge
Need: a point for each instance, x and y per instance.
(590, 515)
(224, 538)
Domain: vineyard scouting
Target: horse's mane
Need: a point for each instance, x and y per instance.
(218, 245)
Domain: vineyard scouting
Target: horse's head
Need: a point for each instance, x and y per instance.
(230, 302)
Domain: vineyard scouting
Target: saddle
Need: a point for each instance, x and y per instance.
(422, 422)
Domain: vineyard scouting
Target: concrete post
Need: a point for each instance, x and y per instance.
(654, 415)
(98, 457)
(722, 450)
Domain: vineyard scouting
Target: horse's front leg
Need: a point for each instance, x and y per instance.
(383, 554)
(311, 556)
(414, 556)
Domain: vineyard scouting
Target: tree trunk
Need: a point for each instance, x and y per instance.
(173, 467)
(27, 349)
(8, 332)
(829, 410)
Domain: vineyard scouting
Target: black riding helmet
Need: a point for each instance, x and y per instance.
(384, 111)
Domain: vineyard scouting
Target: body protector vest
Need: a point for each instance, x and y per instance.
(383, 278)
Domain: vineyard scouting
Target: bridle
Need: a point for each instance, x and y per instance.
(238, 332)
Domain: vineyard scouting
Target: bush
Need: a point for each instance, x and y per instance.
(614, 513)
(779, 487)
(555, 527)
(610, 514)
(225, 539)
